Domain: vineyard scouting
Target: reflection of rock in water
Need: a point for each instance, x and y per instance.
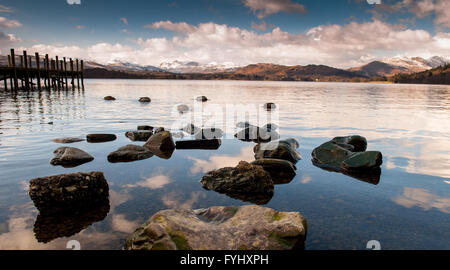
(371, 176)
(50, 227)
(256, 198)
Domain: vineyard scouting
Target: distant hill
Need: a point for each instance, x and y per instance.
(439, 75)
(378, 69)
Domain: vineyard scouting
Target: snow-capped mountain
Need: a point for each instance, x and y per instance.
(416, 64)
(195, 67)
(118, 65)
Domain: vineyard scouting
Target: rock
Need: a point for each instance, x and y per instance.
(140, 135)
(244, 179)
(282, 149)
(182, 108)
(129, 153)
(150, 128)
(359, 143)
(202, 99)
(160, 141)
(348, 156)
(109, 98)
(49, 227)
(281, 171)
(256, 134)
(208, 133)
(363, 161)
(244, 125)
(70, 157)
(145, 99)
(190, 128)
(270, 106)
(50, 123)
(99, 138)
(158, 130)
(269, 127)
(67, 140)
(68, 192)
(199, 144)
(248, 227)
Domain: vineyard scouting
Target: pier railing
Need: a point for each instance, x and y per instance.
(24, 72)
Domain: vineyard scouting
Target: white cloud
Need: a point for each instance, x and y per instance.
(6, 23)
(6, 9)
(154, 182)
(336, 45)
(264, 8)
(422, 198)
(74, 2)
(7, 41)
(261, 26)
(371, 2)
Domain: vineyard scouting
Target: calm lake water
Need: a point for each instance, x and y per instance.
(410, 124)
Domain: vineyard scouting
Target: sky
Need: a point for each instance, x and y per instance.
(340, 33)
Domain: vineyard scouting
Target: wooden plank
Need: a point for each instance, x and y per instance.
(38, 75)
(47, 67)
(78, 74)
(82, 74)
(65, 71)
(71, 71)
(11, 76)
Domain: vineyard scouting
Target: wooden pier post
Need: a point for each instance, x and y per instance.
(13, 63)
(65, 72)
(25, 62)
(47, 67)
(71, 71)
(38, 74)
(78, 75)
(57, 72)
(82, 74)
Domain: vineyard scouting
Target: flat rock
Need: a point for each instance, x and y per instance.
(99, 138)
(199, 144)
(209, 133)
(359, 143)
(256, 134)
(160, 141)
(68, 192)
(70, 157)
(281, 171)
(244, 182)
(140, 135)
(363, 161)
(129, 153)
(282, 149)
(109, 98)
(145, 100)
(248, 227)
(67, 140)
(182, 108)
(201, 98)
(145, 127)
(190, 128)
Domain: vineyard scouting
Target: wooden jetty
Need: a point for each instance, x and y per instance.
(41, 73)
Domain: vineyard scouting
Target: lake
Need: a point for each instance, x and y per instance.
(409, 208)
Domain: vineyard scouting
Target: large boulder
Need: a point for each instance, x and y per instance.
(244, 179)
(282, 149)
(363, 161)
(70, 157)
(330, 154)
(129, 153)
(281, 171)
(67, 140)
(68, 192)
(247, 227)
(139, 135)
(199, 144)
(359, 143)
(100, 137)
(161, 141)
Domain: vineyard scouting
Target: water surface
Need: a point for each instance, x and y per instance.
(410, 124)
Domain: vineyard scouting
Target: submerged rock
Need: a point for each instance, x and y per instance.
(244, 179)
(99, 138)
(281, 171)
(145, 127)
(182, 108)
(199, 144)
(190, 128)
(209, 133)
(109, 98)
(160, 141)
(70, 157)
(202, 98)
(247, 227)
(282, 149)
(145, 99)
(129, 153)
(67, 140)
(68, 192)
(270, 106)
(140, 135)
(348, 155)
(49, 227)
(256, 134)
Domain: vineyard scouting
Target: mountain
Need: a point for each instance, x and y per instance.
(378, 69)
(439, 75)
(416, 64)
(132, 67)
(195, 67)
